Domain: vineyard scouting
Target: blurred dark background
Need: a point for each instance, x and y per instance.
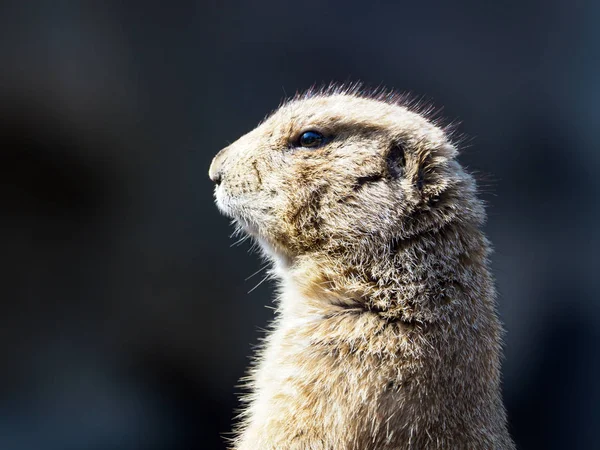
(125, 320)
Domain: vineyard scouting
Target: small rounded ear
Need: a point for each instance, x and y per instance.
(395, 160)
(420, 179)
(424, 172)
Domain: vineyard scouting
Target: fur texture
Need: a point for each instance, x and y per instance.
(386, 334)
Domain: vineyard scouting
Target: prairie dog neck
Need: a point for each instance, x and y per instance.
(407, 367)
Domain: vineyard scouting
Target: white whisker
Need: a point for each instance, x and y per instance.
(260, 282)
(257, 272)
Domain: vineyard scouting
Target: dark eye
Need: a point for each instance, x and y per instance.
(311, 139)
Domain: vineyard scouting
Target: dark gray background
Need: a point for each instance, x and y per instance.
(124, 315)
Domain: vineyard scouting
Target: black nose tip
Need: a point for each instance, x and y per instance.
(215, 172)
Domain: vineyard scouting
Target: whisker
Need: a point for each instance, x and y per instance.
(253, 248)
(236, 232)
(258, 271)
(260, 282)
(240, 241)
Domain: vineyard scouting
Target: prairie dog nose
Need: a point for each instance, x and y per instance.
(216, 167)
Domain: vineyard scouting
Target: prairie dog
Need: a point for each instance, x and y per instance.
(386, 335)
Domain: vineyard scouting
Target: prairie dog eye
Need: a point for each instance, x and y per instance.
(311, 139)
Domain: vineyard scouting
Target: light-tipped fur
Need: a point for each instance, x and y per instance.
(386, 334)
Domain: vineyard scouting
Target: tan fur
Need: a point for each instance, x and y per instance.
(386, 335)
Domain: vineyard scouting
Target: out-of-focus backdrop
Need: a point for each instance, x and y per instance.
(125, 320)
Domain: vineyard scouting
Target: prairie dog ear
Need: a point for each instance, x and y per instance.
(397, 165)
(420, 170)
(395, 160)
(429, 171)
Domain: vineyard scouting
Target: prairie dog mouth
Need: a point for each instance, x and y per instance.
(236, 211)
(229, 205)
(232, 209)
(222, 200)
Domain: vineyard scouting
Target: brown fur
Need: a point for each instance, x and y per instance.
(386, 335)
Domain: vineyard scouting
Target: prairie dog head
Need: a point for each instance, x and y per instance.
(339, 170)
